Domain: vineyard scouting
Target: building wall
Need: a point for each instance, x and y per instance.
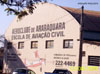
(47, 59)
(91, 50)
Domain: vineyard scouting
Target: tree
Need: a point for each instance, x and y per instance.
(17, 6)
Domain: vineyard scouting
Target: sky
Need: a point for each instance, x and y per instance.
(94, 5)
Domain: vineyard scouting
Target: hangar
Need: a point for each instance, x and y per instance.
(49, 39)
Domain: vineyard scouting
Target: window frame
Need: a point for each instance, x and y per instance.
(19, 45)
(9, 45)
(32, 46)
(69, 44)
(47, 44)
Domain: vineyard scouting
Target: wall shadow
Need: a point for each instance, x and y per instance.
(12, 59)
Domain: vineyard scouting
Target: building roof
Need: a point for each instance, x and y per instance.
(91, 18)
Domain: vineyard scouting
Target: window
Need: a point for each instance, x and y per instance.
(9, 45)
(20, 45)
(34, 44)
(49, 44)
(68, 43)
(94, 60)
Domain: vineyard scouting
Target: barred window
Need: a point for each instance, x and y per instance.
(49, 44)
(94, 60)
(34, 44)
(68, 43)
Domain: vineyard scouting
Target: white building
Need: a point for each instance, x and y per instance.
(49, 39)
